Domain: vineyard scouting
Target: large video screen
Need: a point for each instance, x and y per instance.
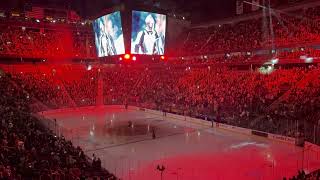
(109, 35)
(148, 33)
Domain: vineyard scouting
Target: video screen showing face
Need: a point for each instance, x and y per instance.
(148, 33)
(109, 35)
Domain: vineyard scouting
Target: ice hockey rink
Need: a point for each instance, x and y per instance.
(188, 151)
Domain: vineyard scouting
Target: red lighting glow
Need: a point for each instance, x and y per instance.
(127, 56)
(162, 57)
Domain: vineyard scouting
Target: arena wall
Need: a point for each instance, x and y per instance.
(236, 129)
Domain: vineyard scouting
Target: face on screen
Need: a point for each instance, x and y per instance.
(148, 33)
(109, 35)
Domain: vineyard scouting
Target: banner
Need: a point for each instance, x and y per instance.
(36, 12)
(282, 138)
(259, 133)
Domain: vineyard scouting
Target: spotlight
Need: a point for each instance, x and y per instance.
(120, 58)
(37, 20)
(134, 58)
(162, 57)
(127, 56)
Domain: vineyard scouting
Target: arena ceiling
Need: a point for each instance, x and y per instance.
(199, 10)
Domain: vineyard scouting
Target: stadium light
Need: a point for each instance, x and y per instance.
(308, 60)
(275, 61)
(127, 56)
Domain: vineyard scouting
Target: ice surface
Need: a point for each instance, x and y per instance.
(123, 141)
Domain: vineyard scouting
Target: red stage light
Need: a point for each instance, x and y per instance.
(127, 56)
(162, 57)
(134, 58)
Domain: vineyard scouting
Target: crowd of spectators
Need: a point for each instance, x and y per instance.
(36, 43)
(80, 84)
(292, 28)
(300, 103)
(244, 36)
(301, 53)
(238, 97)
(30, 151)
(57, 87)
(303, 176)
(279, 99)
(248, 35)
